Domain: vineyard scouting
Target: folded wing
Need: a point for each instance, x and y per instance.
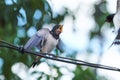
(60, 46)
(37, 40)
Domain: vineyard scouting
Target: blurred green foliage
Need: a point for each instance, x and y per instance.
(9, 32)
(86, 74)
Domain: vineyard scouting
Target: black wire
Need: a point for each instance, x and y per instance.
(6, 43)
(68, 60)
(57, 58)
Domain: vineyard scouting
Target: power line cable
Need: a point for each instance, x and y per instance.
(54, 57)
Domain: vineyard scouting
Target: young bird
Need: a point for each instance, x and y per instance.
(115, 18)
(45, 40)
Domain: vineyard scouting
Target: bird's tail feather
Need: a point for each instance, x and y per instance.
(34, 64)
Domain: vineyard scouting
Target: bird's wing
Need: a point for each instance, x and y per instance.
(60, 46)
(37, 40)
(117, 39)
(118, 5)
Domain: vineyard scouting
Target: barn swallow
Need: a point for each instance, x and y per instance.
(115, 18)
(45, 40)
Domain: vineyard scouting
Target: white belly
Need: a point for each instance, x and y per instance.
(50, 44)
(116, 21)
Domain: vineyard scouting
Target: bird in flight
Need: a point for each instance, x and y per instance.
(45, 40)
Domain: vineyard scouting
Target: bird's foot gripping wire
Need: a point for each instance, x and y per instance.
(21, 49)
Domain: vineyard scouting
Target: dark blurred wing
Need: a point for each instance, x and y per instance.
(117, 39)
(60, 46)
(37, 40)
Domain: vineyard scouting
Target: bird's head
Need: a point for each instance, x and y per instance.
(57, 29)
(109, 18)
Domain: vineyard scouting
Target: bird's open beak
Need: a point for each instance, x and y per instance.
(61, 28)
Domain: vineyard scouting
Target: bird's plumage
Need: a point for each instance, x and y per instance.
(118, 6)
(45, 40)
(37, 40)
(116, 21)
(115, 18)
(60, 45)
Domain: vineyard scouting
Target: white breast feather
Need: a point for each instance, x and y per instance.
(116, 21)
(50, 44)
